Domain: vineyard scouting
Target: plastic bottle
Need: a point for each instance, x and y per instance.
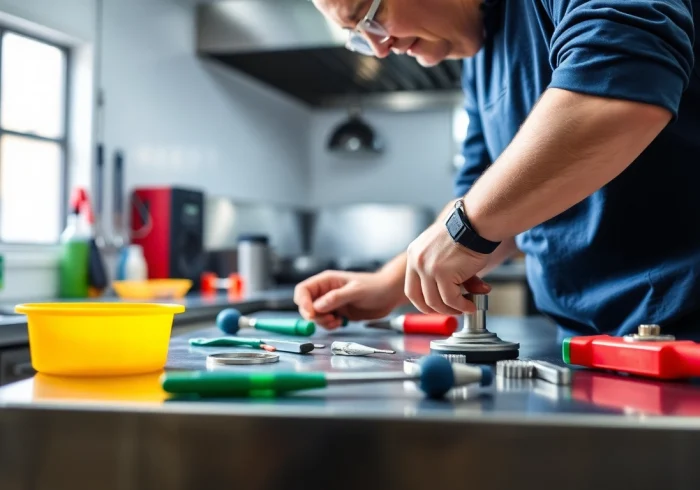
(135, 268)
(75, 253)
(121, 263)
(97, 272)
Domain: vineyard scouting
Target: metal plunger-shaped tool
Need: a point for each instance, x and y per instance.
(474, 341)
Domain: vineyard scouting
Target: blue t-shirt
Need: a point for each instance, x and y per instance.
(630, 253)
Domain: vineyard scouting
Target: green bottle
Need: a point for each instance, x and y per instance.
(75, 255)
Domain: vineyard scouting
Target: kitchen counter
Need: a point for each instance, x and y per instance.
(603, 431)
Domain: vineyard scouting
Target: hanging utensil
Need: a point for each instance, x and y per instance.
(98, 229)
(118, 199)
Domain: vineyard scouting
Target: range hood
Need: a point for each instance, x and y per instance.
(290, 46)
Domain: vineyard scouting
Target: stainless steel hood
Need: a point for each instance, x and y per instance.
(289, 45)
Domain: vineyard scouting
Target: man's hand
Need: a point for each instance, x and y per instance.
(438, 268)
(328, 297)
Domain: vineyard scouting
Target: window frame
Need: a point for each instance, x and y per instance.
(63, 141)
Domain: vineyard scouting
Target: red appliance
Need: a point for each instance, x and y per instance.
(168, 223)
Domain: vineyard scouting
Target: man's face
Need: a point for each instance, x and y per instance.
(430, 31)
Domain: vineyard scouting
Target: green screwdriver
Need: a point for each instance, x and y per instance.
(435, 376)
(231, 321)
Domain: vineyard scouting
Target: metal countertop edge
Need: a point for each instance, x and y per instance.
(549, 420)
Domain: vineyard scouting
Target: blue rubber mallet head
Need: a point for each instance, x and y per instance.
(438, 375)
(227, 321)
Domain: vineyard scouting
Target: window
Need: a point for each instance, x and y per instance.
(33, 124)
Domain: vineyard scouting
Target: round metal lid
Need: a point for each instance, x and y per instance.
(238, 358)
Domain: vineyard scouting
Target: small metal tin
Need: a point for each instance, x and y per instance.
(238, 358)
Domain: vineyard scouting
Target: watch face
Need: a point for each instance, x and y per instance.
(454, 225)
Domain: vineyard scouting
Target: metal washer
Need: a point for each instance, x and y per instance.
(648, 338)
(241, 358)
(477, 352)
(485, 337)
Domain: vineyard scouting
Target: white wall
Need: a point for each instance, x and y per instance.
(416, 167)
(185, 121)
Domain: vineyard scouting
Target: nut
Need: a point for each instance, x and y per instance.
(649, 330)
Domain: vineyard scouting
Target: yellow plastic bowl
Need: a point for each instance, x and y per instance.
(152, 289)
(99, 339)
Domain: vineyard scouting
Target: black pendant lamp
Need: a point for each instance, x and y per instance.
(354, 137)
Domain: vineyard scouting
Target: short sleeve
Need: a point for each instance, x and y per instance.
(638, 50)
(474, 151)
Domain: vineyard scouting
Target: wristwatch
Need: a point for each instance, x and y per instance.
(462, 232)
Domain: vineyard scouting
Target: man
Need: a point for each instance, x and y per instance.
(583, 151)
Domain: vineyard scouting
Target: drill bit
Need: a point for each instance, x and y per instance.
(355, 349)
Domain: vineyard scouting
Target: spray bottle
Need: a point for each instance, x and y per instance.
(75, 251)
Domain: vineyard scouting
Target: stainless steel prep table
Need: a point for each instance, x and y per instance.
(604, 431)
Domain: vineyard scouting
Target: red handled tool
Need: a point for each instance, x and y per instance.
(418, 323)
(647, 353)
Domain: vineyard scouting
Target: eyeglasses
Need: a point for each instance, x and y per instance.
(357, 42)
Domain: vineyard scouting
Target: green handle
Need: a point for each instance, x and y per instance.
(226, 342)
(211, 384)
(291, 326)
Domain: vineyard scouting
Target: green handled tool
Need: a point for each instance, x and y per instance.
(435, 376)
(231, 321)
(269, 345)
(230, 384)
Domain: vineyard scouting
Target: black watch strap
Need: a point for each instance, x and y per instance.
(461, 231)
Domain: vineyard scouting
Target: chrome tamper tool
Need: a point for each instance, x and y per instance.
(474, 343)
